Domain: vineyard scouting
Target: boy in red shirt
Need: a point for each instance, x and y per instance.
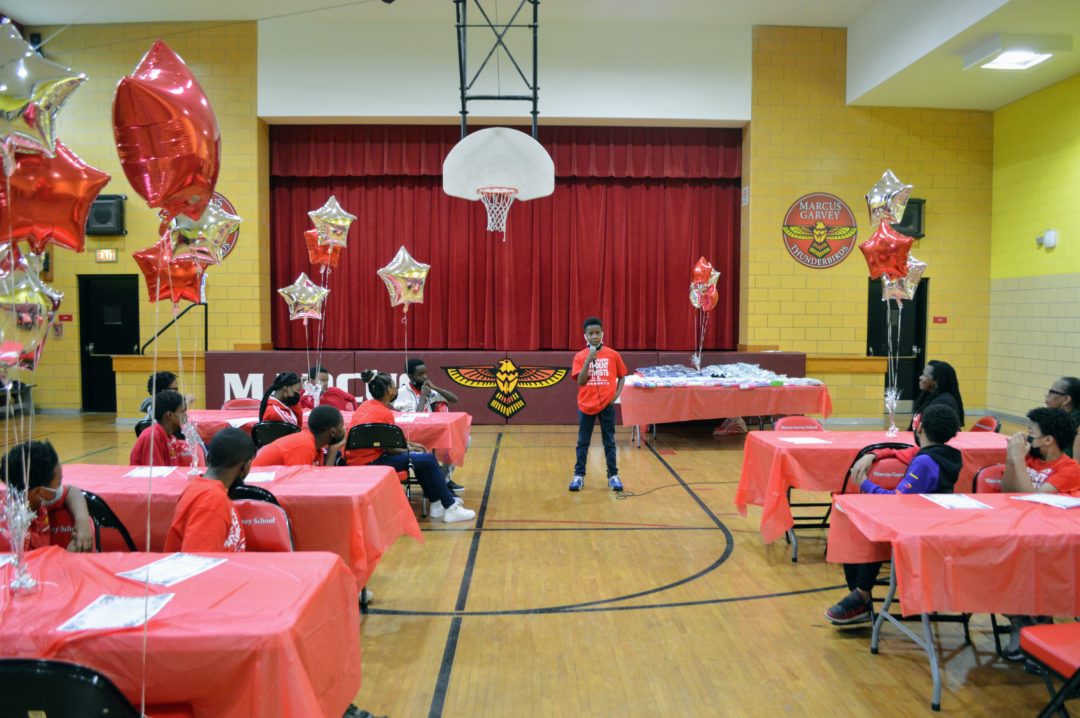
(600, 374)
(317, 444)
(35, 467)
(1036, 461)
(158, 445)
(205, 520)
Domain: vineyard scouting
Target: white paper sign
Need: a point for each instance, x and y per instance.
(117, 612)
(956, 501)
(804, 440)
(241, 422)
(6, 558)
(259, 477)
(1057, 500)
(173, 569)
(150, 472)
(404, 418)
(414, 415)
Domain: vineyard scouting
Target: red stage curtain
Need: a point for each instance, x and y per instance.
(633, 209)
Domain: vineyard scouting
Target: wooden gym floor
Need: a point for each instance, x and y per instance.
(663, 603)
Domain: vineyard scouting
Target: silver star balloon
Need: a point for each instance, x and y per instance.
(33, 90)
(405, 278)
(27, 309)
(202, 240)
(903, 287)
(305, 298)
(887, 199)
(332, 222)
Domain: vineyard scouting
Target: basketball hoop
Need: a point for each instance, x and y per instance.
(497, 201)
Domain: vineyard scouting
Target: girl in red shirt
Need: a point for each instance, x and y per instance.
(432, 480)
(281, 402)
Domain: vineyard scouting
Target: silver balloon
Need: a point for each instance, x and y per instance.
(203, 240)
(27, 309)
(332, 222)
(887, 199)
(906, 286)
(305, 298)
(404, 278)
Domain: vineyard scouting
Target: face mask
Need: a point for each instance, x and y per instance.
(291, 400)
(599, 341)
(416, 383)
(56, 494)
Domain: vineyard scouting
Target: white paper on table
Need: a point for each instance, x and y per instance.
(117, 612)
(414, 415)
(804, 440)
(259, 477)
(150, 472)
(956, 501)
(6, 558)
(1057, 500)
(404, 418)
(241, 422)
(172, 569)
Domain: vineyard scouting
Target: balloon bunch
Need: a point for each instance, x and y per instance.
(703, 297)
(888, 255)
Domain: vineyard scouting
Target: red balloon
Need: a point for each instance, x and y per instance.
(168, 278)
(887, 252)
(328, 254)
(709, 298)
(50, 199)
(702, 271)
(166, 135)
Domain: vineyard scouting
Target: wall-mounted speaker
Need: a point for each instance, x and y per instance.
(107, 215)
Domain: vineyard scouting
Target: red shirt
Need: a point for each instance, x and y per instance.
(604, 375)
(293, 450)
(53, 525)
(166, 450)
(277, 411)
(369, 412)
(340, 400)
(1063, 474)
(205, 520)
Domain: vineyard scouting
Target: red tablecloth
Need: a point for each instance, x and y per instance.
(771, 465)
(663, 405)
(272, 636)
(1017, 557)
(444, 432)
(356, 512)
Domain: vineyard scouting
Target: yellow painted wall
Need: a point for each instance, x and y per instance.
(223, 58)
(1037, 182)
(806, 139)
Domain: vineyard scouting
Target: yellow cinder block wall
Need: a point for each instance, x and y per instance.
(223, 58)
(805, 138)
(1034, 329)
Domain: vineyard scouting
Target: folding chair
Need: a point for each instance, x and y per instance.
(34, 687)
(266, 525)
(142, 425)
(820, 521)
(266, 432)
(797, 423)
(988, 481)
(385, 436)
(1056, 649)
(117, 538)
(987, 423)
(241, 404)
(240, 491)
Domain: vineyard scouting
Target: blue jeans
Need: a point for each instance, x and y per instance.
(431, 478)
(607, 435)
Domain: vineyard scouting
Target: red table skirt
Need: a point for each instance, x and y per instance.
(663, 405)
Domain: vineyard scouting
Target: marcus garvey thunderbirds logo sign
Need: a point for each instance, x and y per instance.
(819, 230)
(506, 378)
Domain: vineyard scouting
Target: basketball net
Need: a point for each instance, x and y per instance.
(497, 201)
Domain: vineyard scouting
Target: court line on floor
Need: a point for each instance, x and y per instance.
(92, 453)
(438, 699)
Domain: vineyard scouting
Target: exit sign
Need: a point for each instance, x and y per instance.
(941, 320)
(105, 256)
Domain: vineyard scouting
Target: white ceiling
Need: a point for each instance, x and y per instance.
(923, 67)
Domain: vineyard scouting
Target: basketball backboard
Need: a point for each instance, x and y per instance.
(498, 157)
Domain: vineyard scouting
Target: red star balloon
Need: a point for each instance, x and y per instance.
(168, 278)
(887, 252)
(325, 254)
(50, 199)
(166, 135)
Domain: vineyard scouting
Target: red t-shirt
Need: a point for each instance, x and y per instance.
(604, 375)
(1063, 474)
(277, 411)
(205, 520)
(337, 398)
(53, 525)
(293, 450)
(369, 412)
(167, 450)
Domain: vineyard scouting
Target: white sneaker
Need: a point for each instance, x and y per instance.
(436, 510)
(457, 512)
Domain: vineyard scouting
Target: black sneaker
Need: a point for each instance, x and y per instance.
(851, 609)
(454, 486)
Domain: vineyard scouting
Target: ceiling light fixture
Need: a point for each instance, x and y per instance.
(1015, 52)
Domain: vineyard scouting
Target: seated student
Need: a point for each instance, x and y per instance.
(205, 519)
(158, 445)
(281, 401)
(432, 481)
(421, 396)
(331, 395)
(1036, 461)
(157, 382)
(34, 466)
(1065, 395)
(316, 445)
(934, 470)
